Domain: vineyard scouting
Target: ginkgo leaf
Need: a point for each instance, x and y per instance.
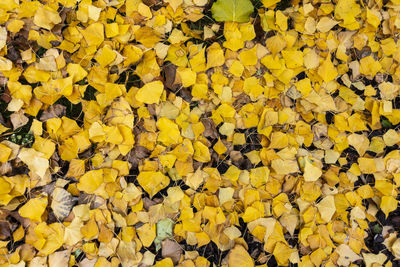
(35, 160)
(311, 172)
(150, 93)
(152, 182)
(232, 10)
(327, 208)
(34, 208)
(238, 256)
(144, 123)
(388, 204)
(62, 202)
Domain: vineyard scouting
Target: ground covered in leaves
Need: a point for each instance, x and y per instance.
(199, 133)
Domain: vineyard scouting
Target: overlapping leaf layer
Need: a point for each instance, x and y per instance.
(199, 133)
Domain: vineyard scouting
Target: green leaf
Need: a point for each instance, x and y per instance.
(386, 124)
(232, 10)
(165, 229)
(377, 229)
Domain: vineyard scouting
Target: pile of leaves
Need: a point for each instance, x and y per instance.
(199, 133)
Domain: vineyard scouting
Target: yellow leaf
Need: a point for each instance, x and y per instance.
(194, 180)
(388, 204)
(188, 77)
(177, 37)
(327, 208)
(15, 26)
(219, 147)
(215, 56)
(325, 24)
(374, 17)
(347, 10)
(169, 132)
(311, 59)
(90, 229)
(372, 259)
(105, 56)
(5, 187)
(91, 180)
(236, 68)
(5, 64)
(152, 182)
(46, 17)
(346, 255)
(396, 248)
(368, 66)
(52, 235)
(45, 146)
(281, 20)
(251, 214)
(232, 232)
(3, 37)
(249, 57)
(282, 253)
(35, 160)
(150, 93)
(174, 3)
(94, 34)
(327, 71)
(293, 59)
(5, 153)
(132, 54)
(367, 165)
(275, 44)
(391, 137)
(113, 90)
(238, 256)
(269, 3)
(311, 172)
(167, 262)
(225, 194)
(259, 176)
(147, 36)
(147, 233)
(34, 209)
(201, 152)
(76, 72)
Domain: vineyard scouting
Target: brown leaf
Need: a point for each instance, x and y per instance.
(170, 248)
(211, 130)
(18, 119)
(6, 95)
(54, 111)
(170, 76)
(5, 230)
